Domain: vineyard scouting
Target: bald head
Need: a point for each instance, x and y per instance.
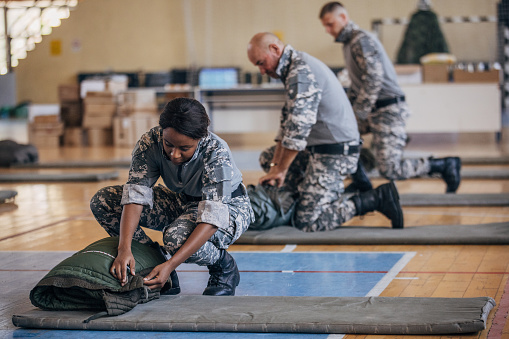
(264, 51)
(263, 40)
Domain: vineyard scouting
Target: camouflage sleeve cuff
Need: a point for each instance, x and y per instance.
(137, 194)
(294, 144)
(279, 135)
(213, 212)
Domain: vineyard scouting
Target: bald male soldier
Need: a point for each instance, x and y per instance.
(317, 144)
(379, 105)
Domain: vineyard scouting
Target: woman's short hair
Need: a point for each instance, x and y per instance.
(187, 116)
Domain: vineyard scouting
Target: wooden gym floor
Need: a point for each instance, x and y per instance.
(55, 216)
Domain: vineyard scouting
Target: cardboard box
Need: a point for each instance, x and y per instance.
(435, 73)
(99, 109)
(134, 101)
(408, 74)
(45, 135)
(73, 136)
(69, 93)
(463, 76)
(128, 130)
(100, 98)
(46, 119)
(71, 114)
(99, 137)
(44, 141)
(115, 84)
(97, 121)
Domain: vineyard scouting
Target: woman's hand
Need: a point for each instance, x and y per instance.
(123, 265)
(158, 277)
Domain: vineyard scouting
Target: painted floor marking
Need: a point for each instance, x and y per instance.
(393, 272)
(289, 248)
(389, 271)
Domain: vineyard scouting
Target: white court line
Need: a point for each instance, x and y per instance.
(389, 276)
(289, 248)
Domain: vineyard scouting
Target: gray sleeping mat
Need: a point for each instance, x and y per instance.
(468, 173)
(501, 160)
(38, 177)
(482, 234)
(484, 199)
(354, 315)
(122, 163)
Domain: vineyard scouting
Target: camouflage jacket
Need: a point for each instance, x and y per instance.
(302, 96)
(316, 109)
(210, 174)
(370, 69)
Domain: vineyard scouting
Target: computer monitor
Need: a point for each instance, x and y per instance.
(218, 77)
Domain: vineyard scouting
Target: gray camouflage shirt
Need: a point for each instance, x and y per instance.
(316, 110)
(370, 69)
(210, 174)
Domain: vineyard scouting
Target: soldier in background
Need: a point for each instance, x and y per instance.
(379, 105)
(318, 142)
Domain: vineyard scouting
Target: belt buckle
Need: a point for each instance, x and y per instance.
(346, 147)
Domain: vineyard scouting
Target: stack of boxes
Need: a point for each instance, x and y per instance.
(137, 113)
(98, 111)
(71, 114)
(45, 131)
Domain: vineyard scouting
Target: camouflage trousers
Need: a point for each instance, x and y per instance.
(318, 181)
(174, 217)
(387, 126)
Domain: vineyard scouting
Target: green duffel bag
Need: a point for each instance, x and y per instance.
(84, 282)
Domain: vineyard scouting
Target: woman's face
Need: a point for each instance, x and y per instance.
(179, 148)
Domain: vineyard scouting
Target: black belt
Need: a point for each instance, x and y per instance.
(386, 102)
(343, 149)
(237, 193)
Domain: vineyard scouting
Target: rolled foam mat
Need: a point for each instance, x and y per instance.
(481, 234)
(39, 177)
(486, 199)
(354, 315)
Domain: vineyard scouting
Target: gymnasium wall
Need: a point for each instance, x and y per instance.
(158, 35)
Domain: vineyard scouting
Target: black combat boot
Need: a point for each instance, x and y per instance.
(384, 199)
(360, 181)
(171, 287)
(450, 170)
(224, 276)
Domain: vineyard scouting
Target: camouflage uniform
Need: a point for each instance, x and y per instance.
(199, 191)
(374, 79)
(315, 114)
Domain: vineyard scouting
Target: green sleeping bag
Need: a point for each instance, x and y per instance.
(83, 281)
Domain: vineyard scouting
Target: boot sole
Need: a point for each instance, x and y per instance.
(398, 222)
